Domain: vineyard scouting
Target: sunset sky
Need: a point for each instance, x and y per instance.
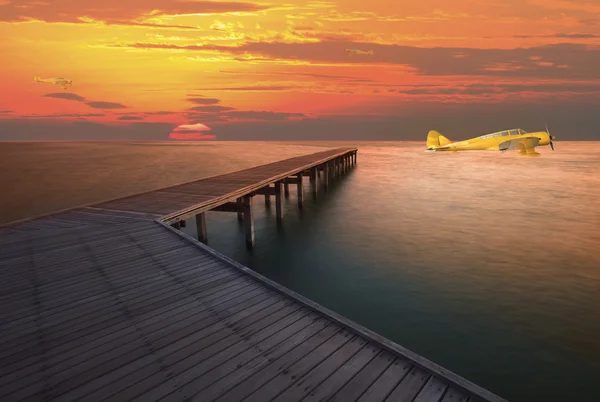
(154, 69)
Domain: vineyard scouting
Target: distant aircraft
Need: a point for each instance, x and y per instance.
(357, 51)
(63, 82)
(517, 139)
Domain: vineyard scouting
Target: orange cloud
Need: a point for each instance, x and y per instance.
(131, 12)
(575, 60)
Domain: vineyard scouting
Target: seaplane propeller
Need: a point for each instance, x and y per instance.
(551, 138)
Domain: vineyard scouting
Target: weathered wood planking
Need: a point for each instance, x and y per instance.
(104, 303)
(191, 198)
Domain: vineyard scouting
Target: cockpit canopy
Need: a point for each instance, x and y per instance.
(515, 131)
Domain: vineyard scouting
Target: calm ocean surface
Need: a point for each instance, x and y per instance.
(486, 263)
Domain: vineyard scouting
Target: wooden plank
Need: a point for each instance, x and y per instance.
(115, 380)
(189, 329)
(209, 351)
(152, 299)
(273, 331)
(452, 395)
(386, 382)
(410, 386)
(84, 372)
(59, 256)
(68, 289)
(266, 191)
(432, 391)
(92, 208)
(262, 376)
(225, 377)
(228, 207)
(100, 290)
(157, 324)
(73, 330)
(296, 369)
(183, 343)
(341, 376)
(317, 375)
(224, 299)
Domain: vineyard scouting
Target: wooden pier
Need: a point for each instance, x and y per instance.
(111, 302)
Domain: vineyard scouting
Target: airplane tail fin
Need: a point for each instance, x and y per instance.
(36, 78)
(370, 51)
(436, 140)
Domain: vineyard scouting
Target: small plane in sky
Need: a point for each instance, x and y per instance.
(63, 82)
(357, 51)
(515, 139)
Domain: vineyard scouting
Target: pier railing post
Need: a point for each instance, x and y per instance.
(300, 184)
(248, 221)
(279, 201)
(201, 228)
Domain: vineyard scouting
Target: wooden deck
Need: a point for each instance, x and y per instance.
(110, 302)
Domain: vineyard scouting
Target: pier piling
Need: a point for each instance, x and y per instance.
(315, 181)
(300, 184)
(248, 221)
(279, 201)
(201, 228)
(240, 206)
(286, 187)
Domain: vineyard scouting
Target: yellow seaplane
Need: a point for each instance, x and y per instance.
(514, 139)
(63, 82)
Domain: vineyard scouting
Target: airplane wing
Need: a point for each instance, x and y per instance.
(521, 144)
